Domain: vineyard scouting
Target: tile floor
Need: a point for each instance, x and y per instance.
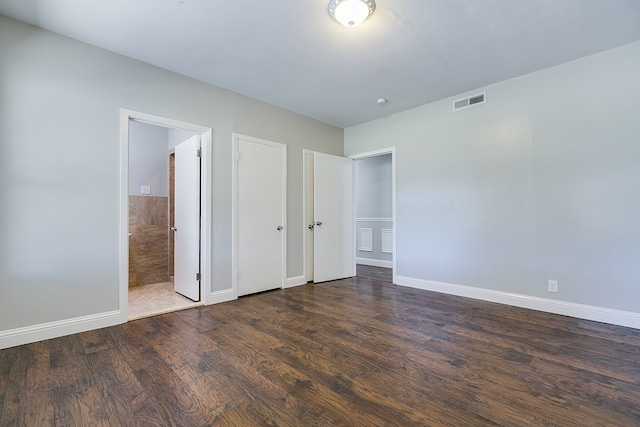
(158, 298)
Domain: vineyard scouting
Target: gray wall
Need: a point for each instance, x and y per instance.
(373, 200)
(148, 159)
(60, 106)
(542, 182)
(372, 177)
(176, 136)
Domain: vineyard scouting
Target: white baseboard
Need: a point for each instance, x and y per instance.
(580, 311)
(221, 296)
(374, 262)
(45, 331)
(292, 282)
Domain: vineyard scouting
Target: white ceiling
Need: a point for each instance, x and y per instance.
(289, 53)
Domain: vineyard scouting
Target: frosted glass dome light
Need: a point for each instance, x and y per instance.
(351, 13)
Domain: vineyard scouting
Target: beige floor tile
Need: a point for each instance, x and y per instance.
(156, 298)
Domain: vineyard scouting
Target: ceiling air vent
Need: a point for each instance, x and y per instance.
(469, 102)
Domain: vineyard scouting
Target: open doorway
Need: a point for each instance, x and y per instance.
(161, 180)
(377, 223)
(374, 209)
(152, 223)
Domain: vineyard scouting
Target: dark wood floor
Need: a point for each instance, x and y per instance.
(374, 273)
(356, 352)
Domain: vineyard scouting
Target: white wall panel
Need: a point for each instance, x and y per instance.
(387, 240)
(365, 239)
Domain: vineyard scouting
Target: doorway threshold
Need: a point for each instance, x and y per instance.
(156, 299)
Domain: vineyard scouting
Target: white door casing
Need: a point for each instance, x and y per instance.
(334, 254)
(308, 215)
(187, 219)
(392, 152)
(260, 220)
(207, 296)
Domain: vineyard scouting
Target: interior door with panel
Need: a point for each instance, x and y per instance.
(187, 219)
(260, 214)
(334, 256)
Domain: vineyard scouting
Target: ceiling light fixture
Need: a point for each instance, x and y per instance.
(351, 13)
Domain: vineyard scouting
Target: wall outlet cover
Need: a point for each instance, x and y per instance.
(145, 189)
(553, 286)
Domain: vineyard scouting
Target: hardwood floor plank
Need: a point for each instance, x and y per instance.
(174, 401)
(316, 363)
(75, 398)
(27, 382)
(126, 401)
(194, 368)
(200, 318)
(248, 377)
(96, 340)
(7, 359)
(245, 414)
(353, 352)
(374, 273)
(292, 382)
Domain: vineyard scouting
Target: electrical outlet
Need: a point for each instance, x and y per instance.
(145, 189)
(553, 286)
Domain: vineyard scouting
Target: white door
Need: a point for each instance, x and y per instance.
(260, 214)
(308, 215)
(187, 219)
(334, 256)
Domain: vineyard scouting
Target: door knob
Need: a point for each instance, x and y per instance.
(318, 223)
(310, 226)
(174, 228)
(279, 228)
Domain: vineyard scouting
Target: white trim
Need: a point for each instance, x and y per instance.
(292, 282)
(581, 311)
(375, 219)
(221, 296)
(386, 232)
(234, 217)
(45, 331)
(374, 262)
(205, 201)
(365, 239)
(394, 214)
(206, 216)
(285, 232)
(234, 207)
(305, 177)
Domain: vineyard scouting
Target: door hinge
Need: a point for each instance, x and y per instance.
(197, 276)
(237, 156)
(199, 152)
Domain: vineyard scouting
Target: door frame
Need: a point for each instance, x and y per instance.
(205, 202)
(234, 209)
(305, 196)
(376, 153)
(359, 156)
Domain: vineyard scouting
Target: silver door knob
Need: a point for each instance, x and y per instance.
(279, 228)
(318, 223)
(174, 228)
